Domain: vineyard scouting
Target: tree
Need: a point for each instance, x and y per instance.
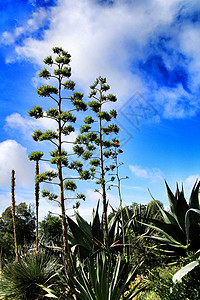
(99, 150)
(155, 212)
(25, 228)
(51, 228)
(59, 157)
(36, 156)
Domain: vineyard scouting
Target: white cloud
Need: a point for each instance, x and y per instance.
(189, 40)
(153, 173)
(16, 122)
(93, 197)
(110, 40)
(27, 125)
(37, 20)
(190, 180)
(102, 39)
(14, 156)
(175, 103)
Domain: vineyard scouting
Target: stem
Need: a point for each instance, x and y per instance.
(105, 224)
(120, 201)
(13, 212)
(37, 189)
(62, 202)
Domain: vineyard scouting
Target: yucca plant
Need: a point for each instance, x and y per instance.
(173, 233)
(21, 280)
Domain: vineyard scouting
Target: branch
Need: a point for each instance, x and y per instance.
(72, 178)
(53, 143)
(53, 99)
(49, 182)
(65, 98)
(70, 198)
(67, 142)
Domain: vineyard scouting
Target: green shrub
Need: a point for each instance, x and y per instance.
(20, 280)
(161, 286)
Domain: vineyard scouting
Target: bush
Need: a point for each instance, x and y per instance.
(20, 280)
(161, 286)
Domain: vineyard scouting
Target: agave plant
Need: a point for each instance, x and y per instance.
(195, 263)
(85, 238)
(135, 218)
(102, 278)
(21, 280)
(174, 234)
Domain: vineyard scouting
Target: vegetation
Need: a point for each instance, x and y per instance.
(21, 280)
(13, 212)
(137, 252)
(99, 144)
(36, 156)
(63, 129)
(178, 236)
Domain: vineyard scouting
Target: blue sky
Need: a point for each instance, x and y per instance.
(149, 52)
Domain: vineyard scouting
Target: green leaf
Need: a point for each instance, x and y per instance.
(69, 85)
(172, 199)
(66, 130)
(85, 128)
(48, 175)
(83, 224)
(111, 98)
(48, 135)
(52, 112)
(45, 74)
(94, 105)
(70, 185)
(50, 292)
(194, 197)
(48, 60)
(187, 221)
(46, 90)
(184, 271)
(67, 117)
(36, 135)
(79, 235)
(89, 120)
(104, 116)
(36, 112)
(36, 156)
(65, 72)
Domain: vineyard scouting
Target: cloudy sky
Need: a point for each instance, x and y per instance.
(149, 52)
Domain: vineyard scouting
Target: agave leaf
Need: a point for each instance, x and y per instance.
(181, 210)
(194, 199)
(83, 287)
(113, 228)
(185, 270)
(79, 235)
(83, 224)
(97, 232)
(187, 221)
(130, 275)
(174, 231)
(168, 236)
(114, 285)
(167, 217)
(172, 200)
(167, 241)
(50, 292)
